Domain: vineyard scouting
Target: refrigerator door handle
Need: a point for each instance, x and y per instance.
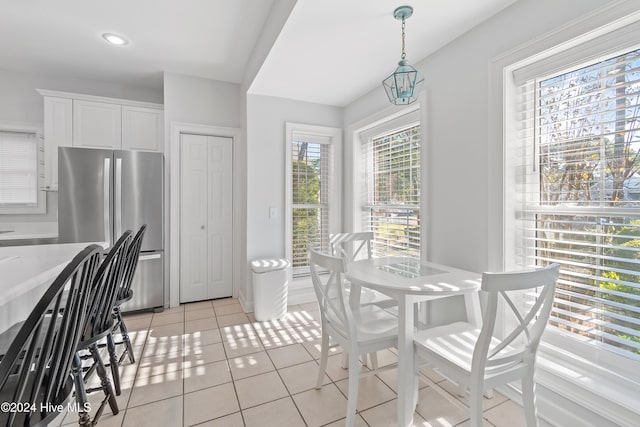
(106, 176)
(118, 199)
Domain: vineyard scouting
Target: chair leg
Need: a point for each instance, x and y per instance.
(374, 360)
(345, 359)
(354, 378)
(113, 363)
(125, 336)
(324, 355)
(81, 395)
(462, 389)
(104, 381)
(475, 406)
(529, 399)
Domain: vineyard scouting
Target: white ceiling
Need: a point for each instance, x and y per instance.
(333, 51)
(329, 51)
(204, 38)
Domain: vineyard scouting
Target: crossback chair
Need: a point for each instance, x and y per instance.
(480, 361)
(351, 246)
(354, 247)
(35, 370)
(125, 293)
(358, 332)
(99, 325)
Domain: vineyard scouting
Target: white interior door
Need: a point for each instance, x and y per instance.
(205, 217)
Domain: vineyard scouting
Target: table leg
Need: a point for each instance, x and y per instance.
(406, 375)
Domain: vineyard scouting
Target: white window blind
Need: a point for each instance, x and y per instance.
(310, 160)
(18, 169)
(391, 205)
(577, 163)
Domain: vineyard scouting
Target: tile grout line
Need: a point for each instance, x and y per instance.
(235, 390)
(266, 350)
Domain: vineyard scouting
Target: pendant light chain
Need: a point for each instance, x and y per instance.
(403, 52)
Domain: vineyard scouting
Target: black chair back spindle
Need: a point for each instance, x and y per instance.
(104, 291)
(125, 292)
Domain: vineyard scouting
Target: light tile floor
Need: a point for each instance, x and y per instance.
(210, 364)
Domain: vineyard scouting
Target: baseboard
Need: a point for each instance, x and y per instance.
(296, 295)
(557, 410)
(301, 295)
(247, 306)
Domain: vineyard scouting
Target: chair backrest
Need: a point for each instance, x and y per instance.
(133, 254)
(521, 342)
(104, 289)
(36, 368)
(351, 246)
(328, 284)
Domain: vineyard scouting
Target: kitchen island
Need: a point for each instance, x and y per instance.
(25, 274)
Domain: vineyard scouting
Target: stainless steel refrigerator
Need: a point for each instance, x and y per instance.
(102, 193)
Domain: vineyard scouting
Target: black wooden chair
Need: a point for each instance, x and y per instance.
(125, 293)
(99, 325)
(35, 370)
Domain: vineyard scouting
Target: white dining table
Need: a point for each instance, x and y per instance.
(26, 272)
(409, 281)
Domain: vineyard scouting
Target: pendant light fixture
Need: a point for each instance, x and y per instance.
(403, 86)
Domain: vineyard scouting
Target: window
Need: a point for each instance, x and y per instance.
(20, 173)
(577, 181)
(391, 193)
(313, 190)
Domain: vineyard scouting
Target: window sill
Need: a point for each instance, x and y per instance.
(599, 390)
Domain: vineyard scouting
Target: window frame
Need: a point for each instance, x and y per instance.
(41, 206)
(571, 390)
(409, 119)
(619, 37)
(334, 185)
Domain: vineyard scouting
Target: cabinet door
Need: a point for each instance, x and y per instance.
(142, 129)
(58, 132)
(97, 124)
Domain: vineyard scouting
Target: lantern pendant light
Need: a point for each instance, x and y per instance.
(403, 86)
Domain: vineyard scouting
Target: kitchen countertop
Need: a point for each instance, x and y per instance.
(26, 272)
(28, 230)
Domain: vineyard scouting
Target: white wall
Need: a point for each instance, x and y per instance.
(20, 103)
(457, 87)
(201, 101)
(196, 101)
(277, 18)
(266, 118)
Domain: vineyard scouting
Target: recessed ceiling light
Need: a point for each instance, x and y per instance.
(115, 39)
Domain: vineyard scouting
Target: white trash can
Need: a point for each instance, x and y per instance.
(270, 288)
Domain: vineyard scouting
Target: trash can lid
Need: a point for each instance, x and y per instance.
(267, 265)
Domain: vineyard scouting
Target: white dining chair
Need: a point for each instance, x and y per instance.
(358, 332)
(354, 247)
(478, 360)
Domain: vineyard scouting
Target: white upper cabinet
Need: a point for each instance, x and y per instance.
(97, 124)
(58, 132)
(72, 119)
(142, 129)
